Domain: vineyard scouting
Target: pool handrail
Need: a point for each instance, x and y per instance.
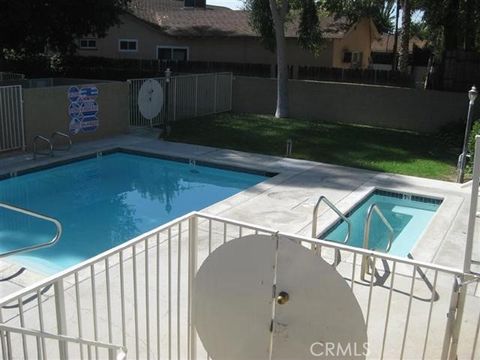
(336, 210)
(43, 138)
(368, 219)
(62, 134)
(37, 215)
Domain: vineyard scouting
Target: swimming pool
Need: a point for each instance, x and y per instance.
(409, 215)
(104, 201)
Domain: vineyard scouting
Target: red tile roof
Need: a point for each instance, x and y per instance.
(176, 20)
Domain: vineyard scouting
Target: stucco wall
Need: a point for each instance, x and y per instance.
(220, 49)
(358, 38)
(390, 107)
(46, 111)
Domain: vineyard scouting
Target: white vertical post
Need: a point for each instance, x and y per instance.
(130, 101)
(174, 102)
(192, 268)
(231, 92)
(22, 123)
(196, 95)
(467, 262)
(61, 317)
(215, 94)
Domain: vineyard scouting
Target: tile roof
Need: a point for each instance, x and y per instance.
(385, 43)
(176, 20)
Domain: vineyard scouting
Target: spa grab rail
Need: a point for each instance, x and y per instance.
(366, 232)
(337, 211)
(51, 242)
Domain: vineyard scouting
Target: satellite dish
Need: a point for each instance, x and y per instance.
(267, 297)
(150, 99)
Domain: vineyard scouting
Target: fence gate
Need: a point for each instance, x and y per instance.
(183, 97)
(12, 132)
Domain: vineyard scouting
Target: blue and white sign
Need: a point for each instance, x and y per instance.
(89, 123)
(73, 93)
(89, 93)
(83, 109)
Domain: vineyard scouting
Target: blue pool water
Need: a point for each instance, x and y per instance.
(104, 201)
(408, 215)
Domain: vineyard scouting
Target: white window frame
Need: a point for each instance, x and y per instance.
(172, 47)
(128, 40)
(87, 47)
(357, 58)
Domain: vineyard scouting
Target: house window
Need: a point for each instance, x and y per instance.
(347, 56)
(88, 44)
(127, 45)
(357, 57)
(172, 53)
(353, 57)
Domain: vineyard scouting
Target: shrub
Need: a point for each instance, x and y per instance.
(452, 134)
(475, 131)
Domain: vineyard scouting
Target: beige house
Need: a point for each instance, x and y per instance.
(190, 30)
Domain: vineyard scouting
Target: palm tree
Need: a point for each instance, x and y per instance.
(405, 37)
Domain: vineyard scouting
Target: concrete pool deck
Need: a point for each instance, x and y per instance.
(285, 202)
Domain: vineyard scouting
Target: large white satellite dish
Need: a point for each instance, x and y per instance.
(267, 297)
(150, 99)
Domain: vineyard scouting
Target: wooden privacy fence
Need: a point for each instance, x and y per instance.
(461, 70)
(185, 96)
(4, 76)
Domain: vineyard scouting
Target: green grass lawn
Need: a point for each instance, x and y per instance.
(365, 147)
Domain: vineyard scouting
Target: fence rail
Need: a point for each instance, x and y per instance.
(363, 76)
(138, 295)
(184, 96)
(12, 135)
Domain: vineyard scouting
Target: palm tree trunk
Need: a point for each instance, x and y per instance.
(278, 15)
(470, 25)
(395, 39)
(405, 39)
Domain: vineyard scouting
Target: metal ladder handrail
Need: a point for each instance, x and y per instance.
(43, 138)
(51, 242)
(121, 351)
(62, 134)
(336, 210)
(368, 220)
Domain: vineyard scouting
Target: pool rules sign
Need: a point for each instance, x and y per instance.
(83, 109)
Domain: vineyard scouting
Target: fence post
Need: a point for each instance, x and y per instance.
(231, 92)
(454, 322)
(192, 269)
(174, 100)
(215, 95)
(196, 95)
(22, 121)
(61, 317)
(130, 103)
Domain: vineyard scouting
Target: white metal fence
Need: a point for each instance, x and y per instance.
(138, 296)
(11, 76)
(11, 118)
(189, 96)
